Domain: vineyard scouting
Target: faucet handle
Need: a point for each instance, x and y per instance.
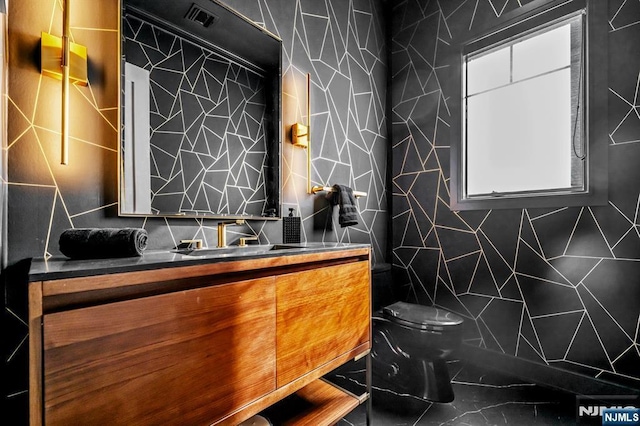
(243, 240)
(197, 242)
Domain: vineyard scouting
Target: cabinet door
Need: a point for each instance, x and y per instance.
(321, 314)
(188, 357)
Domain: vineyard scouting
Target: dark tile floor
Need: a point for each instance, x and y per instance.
(482, 397)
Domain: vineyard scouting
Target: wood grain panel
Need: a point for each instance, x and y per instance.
(327, 405)
(35, 353)
(68, 286)
(187, 357)
(283, 391)
(321, 314)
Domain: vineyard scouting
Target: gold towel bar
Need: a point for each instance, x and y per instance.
(317, 188)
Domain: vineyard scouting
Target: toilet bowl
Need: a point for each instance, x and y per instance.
(411, 344)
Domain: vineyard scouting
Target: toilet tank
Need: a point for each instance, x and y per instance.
(381, 286)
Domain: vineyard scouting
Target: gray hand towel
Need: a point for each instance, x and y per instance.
(348, 212)
(97, 243)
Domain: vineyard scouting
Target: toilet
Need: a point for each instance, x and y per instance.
(411, 344)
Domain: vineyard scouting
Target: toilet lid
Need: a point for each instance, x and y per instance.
(422, 315)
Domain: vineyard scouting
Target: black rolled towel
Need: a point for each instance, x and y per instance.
(348, 212)
(99, 243)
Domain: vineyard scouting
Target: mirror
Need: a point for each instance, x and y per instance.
(201, 108)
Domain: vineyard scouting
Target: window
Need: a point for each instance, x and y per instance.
(524, 139)
(522, 111)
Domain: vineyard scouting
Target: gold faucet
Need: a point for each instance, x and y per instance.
(222, 231)
(198, 243)
(243, 240)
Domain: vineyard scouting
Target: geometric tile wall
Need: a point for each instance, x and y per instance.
(44, 197)
(560, 287)
(207, 142)
(349, 135)
(341, 43)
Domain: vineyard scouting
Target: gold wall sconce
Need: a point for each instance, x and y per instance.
(66, 61)
(301, 137)
(301, 134)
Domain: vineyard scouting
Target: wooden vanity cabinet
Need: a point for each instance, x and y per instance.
(198, 345)
(321, 314)
(205, 350)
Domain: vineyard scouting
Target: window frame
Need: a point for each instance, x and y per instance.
(593, 104)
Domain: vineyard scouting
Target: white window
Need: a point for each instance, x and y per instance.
(522, 114)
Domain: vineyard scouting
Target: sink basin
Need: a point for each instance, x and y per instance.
(252, 249)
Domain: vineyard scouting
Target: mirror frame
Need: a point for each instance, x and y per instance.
(273, 141)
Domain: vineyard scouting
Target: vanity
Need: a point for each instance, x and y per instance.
(197, 338)
(210, 336)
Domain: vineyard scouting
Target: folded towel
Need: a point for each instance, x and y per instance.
(97, 243)
(348, 212)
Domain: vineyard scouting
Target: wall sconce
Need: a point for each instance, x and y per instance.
(301, 134)
(62, 59)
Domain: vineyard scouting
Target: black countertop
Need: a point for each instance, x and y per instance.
(62, 267)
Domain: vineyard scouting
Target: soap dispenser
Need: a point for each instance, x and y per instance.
(291, 228)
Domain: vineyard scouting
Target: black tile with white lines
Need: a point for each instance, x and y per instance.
(482, 397)
(556, 286)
